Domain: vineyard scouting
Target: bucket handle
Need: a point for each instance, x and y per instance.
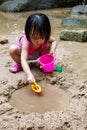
(35, 61)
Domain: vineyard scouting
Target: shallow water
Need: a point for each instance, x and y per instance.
(51, 99)
(13, 23)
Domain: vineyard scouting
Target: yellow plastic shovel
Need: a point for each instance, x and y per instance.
(36, 88)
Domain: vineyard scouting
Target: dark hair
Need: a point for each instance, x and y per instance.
(38, 23)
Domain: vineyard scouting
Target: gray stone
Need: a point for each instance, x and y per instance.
(26, 5)
(73, 35)
(68, 22)
(79, 9)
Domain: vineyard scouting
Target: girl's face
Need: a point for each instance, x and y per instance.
(37, 40)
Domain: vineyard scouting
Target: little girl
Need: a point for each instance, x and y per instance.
(35, 42)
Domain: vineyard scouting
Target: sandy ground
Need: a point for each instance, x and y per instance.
(72, 81)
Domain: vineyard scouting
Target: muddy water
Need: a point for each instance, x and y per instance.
(13, 23)
(51, 99)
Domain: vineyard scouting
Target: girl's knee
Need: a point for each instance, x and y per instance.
(12, 49)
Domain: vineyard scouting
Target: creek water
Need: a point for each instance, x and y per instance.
(12, 27)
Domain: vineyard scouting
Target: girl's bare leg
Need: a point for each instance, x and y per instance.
(15, 53)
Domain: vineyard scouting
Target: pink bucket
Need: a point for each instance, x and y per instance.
(46, 62)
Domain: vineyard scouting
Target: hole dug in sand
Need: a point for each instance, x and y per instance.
(51, 99)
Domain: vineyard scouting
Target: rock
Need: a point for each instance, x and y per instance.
(73, 35)
(74, 22)
(4, 41)
(26, 5)
(79, 9)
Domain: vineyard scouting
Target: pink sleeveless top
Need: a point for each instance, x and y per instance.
(31, 49)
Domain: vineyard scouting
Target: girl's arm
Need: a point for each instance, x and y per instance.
(53, 46)
(24, 61)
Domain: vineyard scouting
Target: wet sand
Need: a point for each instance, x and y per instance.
(72, 83)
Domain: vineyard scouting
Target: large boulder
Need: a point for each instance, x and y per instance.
(26, 5)
(73, 35)
(72, 21)
(79, 9)
(12, 6)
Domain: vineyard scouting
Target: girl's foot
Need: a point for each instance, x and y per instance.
(16, 68)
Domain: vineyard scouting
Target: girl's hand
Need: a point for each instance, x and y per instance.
(31, 79)
(51, 53)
